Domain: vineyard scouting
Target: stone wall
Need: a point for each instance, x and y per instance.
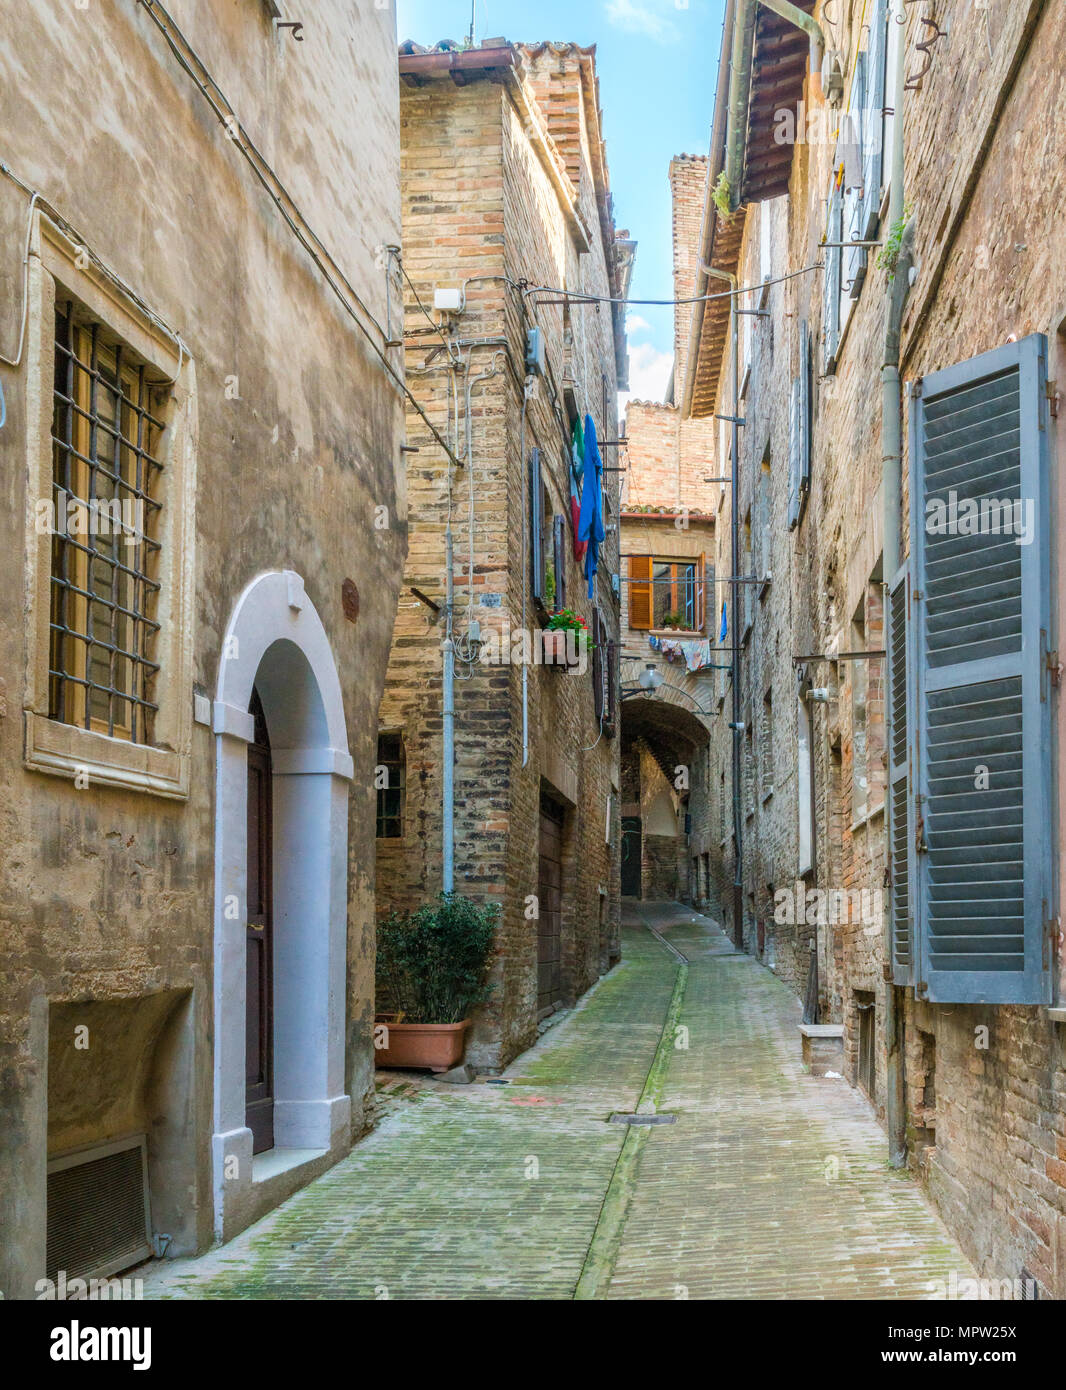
(292, 435)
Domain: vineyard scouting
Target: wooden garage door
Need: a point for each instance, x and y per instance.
(549, 894)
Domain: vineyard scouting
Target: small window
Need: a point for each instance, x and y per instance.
(107, 431)
(390, 781)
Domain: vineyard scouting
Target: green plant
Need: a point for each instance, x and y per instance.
(432, 962)
(888, 256)
(722, 196)
(567, 620)
(549, 583)
(673, 620)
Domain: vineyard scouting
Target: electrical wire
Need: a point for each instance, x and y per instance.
(280, 196)
(570, 297)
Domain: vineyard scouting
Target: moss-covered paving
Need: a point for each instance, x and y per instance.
(770, 1182)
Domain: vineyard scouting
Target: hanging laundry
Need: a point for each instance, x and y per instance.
(577, 449)
(575, 516)
(725, 626)
(590, 522)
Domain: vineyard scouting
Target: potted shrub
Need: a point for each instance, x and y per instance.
(673, 620)
(560, 650)
(431, 974)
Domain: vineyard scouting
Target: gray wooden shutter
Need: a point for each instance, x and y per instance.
(854, 205)
(978, 433)
(559, 559)
(536, 523)
(805, 409)
(599, 703)
(794, 456)
(831, 280)
(900, 809)
(874, 134)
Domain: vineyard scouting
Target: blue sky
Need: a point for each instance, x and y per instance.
(657, 61)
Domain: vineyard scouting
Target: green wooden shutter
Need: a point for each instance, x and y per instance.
(874, 133)
(900, 810)
(978, 436)
(831, 279)
(855, 257)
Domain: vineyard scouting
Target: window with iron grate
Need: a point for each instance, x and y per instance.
(107, 432)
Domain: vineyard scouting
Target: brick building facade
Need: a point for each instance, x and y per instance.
(669, 596)
(525, 222)
(942, 964)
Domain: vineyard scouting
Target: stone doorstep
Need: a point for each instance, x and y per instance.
(823, 1047)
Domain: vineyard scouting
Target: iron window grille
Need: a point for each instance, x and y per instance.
(107, 431)
(391, 795)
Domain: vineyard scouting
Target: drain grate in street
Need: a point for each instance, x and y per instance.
(621, 1118)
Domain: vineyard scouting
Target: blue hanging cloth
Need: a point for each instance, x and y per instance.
(590, 519)
(725, 626)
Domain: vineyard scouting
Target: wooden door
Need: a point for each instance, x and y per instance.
(550, 896)
(259, 995)
(631, 852)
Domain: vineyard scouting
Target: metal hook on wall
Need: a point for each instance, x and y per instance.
(914, 83)
(296, 25)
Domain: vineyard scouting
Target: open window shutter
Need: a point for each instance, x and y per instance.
(983, 727)
(854, 205)
(701, 592)
(874, 134)
(900, 702)
(559, 559)
(640, 592)
(794, 456)
(597, 664)
(805, 409)
(536, 522)
(831, 280)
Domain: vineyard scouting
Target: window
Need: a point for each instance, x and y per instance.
(667, 593)
(723, 823)
(111, 539)
(867, 709)
(391, 782)
(747, 591)
(979, 725)
(766, 747)
(107, 430)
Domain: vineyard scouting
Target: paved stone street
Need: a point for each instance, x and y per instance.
(769, 1184)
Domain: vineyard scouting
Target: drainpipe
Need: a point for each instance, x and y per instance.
(891, 502)
(739, 94)
(448, 849)
(734, 535)
(810, 26)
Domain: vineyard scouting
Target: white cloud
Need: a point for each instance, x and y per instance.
(635, 324)
(649, 374)
(646, 17)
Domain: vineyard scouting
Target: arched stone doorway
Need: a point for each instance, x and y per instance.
(276, 645)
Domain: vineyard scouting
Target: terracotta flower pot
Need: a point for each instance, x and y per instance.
(436, 1046)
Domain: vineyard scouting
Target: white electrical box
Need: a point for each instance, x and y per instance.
(536, 352)
(448, 301)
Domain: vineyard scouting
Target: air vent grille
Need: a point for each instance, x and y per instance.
(98, 1220)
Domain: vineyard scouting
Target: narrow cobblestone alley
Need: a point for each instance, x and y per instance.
(770, 1183)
